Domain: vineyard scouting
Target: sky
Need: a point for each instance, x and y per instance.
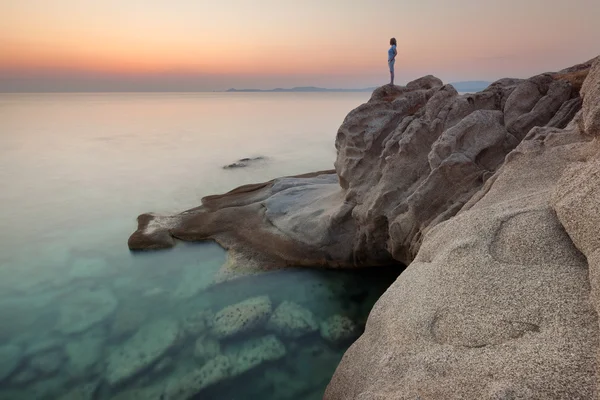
(201, 45)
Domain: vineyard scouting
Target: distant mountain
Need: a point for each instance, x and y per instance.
(471, 86)
(301, 89)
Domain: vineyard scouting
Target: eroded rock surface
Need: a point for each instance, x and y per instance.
(242, 317)
(497, 302)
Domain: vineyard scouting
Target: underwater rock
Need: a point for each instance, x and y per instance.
(42, 345)
(89, 268)
(292, 320)
(85, 308)
(195, 325)
(163, 365)
(83, 354)
(214, 371)
(339, 328)
(145, 393)
(193, 281)
(253, 352)
(47, 363)
(142, 350)
(243, 162)
(81, 392)
(206, 348)
(10, 358)
(128, 319)
(242, 317)
(24, 377)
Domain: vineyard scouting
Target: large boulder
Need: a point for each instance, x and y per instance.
(590, 92)
(496, 303)
(242, 317)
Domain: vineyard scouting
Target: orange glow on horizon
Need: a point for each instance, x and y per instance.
(468, 39)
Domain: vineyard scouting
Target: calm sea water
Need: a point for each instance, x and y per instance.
(83, 318)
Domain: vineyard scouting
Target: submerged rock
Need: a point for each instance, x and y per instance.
(253, 352)
(128, 318)
(214, 371)
(89, 268)
(81, 392)
(84, 309)
(43, 344)
(145, 393)
(198, 323)
(23, 377)
(141, 351)
(206, 348)
(10, 358)
(47, 363)
(339, 329)
(242, 317)
(292, 320)
(83, 355)
(243, 162)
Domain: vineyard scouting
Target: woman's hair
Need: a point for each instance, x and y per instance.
(393, 41)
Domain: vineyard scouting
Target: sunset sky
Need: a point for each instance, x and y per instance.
(64, 45)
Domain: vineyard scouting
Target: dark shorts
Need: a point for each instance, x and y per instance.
(391, 65)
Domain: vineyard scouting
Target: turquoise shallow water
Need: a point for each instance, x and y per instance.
(83, 318)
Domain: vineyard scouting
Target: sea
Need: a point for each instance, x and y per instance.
(82, 317)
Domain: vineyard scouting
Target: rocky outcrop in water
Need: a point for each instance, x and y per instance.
(490, 198)
(407, 160)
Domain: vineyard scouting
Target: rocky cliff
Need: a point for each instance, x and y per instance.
(490, 198)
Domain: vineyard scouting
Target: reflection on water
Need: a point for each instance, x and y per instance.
(82, 318)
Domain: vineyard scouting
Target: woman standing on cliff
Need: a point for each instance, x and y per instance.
(392, 58)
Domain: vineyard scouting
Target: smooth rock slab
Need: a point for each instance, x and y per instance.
(214, 371)
(292, 320)
(338, 329)
(254, 352)
(10, 357)
(142, 350)
(242, 317)
(84, 309)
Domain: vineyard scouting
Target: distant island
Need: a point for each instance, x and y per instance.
(301, 89)
(467, 86)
